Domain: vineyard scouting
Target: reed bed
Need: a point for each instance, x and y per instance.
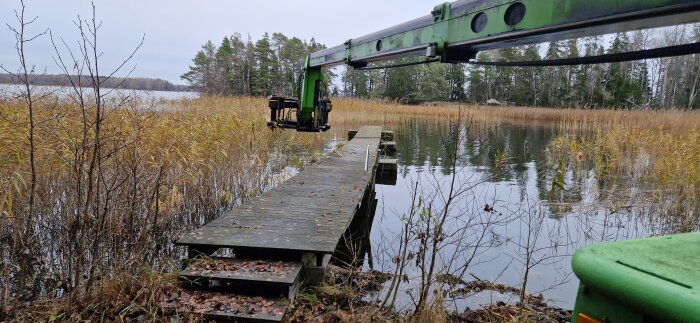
(165, 166)
(109, 202)
(652, 158)
(372, 112)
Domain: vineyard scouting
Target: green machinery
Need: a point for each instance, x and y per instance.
(652, 280)
(455, 32)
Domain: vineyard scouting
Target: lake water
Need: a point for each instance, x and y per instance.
(10, 89)
(526, 202)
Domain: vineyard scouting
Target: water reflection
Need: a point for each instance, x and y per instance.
(568, 207)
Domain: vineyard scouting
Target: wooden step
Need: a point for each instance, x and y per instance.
(249, 277)
(226, 306)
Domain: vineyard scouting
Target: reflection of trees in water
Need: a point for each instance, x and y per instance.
(564, 182)
(422, 144)
(558, 206)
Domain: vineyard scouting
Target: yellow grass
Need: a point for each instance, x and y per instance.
(163, 167)
(169, 165)
(372, 112)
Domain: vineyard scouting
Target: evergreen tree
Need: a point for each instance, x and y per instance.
(479, 80)
(592, 75)
(434, 86)
(292, 57)
(273, 64)
(265, 68)
(553, 89)
(278, 43)
(570, 76)
(224, 68)
(527, 88)
(355, 83)
(623, 89)
(202, 74)
(401, 82)
(504, 76)
(457, 78)
(377, 83)
(237, 77)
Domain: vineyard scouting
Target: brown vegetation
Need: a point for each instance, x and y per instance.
(164, 167)
(372, 112)
(157, 173)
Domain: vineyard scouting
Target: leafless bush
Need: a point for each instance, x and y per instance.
(444, 231)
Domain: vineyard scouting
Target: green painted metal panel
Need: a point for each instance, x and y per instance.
(312, 75)
(448, 32)
(656, 279)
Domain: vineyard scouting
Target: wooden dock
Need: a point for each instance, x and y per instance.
(282, 238)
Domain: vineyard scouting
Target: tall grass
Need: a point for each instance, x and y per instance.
(362, 111)
(650, 168)
(651, 157)
(166, 166)
(161, 168)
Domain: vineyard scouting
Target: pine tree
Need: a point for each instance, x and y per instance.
(569, 76)
(224, 68)
(238, 76)
(527, 89)
(618, 82)
(279, 42)
(479, 80)
(202, 74)
(401, 82)
(553, 89)
(433, 85)
(292, 59)
(377, 83)
(355, 83)
(456, 78)
(265, 68)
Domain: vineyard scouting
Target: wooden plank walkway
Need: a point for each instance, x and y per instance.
(308, 213)
(287, 233)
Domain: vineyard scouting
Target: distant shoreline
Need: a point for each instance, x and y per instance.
(131, 83)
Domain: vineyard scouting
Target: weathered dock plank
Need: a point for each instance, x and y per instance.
(308, 213)
(281, 238)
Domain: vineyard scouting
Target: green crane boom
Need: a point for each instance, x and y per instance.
(454, 32)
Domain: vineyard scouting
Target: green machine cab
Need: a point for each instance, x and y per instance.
(651, 280)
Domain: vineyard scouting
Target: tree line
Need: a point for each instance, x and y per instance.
(238, 66)
(272, 65)
(130, 83)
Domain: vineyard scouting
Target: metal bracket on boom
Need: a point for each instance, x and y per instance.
(308, 112)
(282, 109)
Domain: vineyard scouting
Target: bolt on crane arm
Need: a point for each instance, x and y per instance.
(455, 32)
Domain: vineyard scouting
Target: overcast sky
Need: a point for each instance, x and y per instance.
(176, 29)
